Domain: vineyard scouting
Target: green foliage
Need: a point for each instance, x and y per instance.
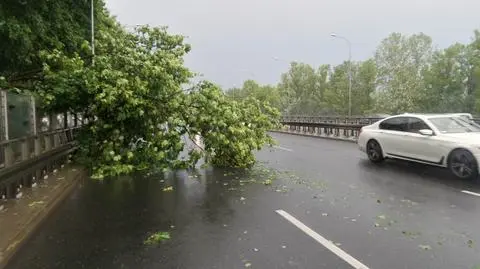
(28, 27)
(364, 87)
(300, 89)
(230, 130)
(401, 62)
(134, 93)
(157, 238)
(262, 93)
(337, 91)
(325, 91)
(446, 79)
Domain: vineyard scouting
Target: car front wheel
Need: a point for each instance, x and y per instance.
(374, 151)
(462, 164)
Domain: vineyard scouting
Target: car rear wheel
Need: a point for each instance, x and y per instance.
(462, 164)
(374, 151)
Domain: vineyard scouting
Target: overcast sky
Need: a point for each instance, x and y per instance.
(237, 40)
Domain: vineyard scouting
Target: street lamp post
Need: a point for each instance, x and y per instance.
(92, 19)
(349, 71)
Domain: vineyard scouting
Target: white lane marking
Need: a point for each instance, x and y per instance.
(320, 239)
(471, 193)
(282, 148)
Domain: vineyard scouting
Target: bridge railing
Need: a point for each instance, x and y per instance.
(339, 119)
(32, 143)
(344, 128)
(26, 160)
(330, 130)
(330, 119)
(25, 148)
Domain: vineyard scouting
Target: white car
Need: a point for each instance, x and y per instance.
(445, 140)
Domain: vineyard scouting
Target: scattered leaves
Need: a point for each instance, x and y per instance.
(157, 238)
(412, 235)
(425, 247)
(168, 189)
(32, 204)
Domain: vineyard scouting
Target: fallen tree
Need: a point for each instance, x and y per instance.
(134, 91)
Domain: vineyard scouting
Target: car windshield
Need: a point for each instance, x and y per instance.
(455, 125)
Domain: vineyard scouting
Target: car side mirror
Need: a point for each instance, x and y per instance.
(426, 132)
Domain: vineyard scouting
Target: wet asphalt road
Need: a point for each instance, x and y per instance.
(394, 215)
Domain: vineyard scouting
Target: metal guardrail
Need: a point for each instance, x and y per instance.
(328, 130)
(24, 161)
(329, 119)
(345, 128)
(338, 119)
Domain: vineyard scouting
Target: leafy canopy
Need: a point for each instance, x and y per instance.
(27, 27)
(134, 92)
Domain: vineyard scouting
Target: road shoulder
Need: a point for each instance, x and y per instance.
(21, 217)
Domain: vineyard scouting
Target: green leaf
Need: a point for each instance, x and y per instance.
(157, 238)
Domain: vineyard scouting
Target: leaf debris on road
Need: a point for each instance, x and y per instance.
(157, 238)
(425, 247)
(32, 204)
(167, 189)
(412, 235)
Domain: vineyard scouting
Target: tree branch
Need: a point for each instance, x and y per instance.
(193, 140)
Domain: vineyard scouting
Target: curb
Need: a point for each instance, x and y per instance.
(37, 218)
(318, 136)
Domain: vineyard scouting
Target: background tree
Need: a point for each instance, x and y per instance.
(262, 93)
(364, 88)
(336, 95)
(446, 79)
(319, 96)
(401, 62)
(302, 89)
(296, 87)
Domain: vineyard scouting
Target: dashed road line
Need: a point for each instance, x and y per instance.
(320, 239)
(471, 193)
(282, 148)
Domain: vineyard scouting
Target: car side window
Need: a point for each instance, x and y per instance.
(395, 124)
(416, 124)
